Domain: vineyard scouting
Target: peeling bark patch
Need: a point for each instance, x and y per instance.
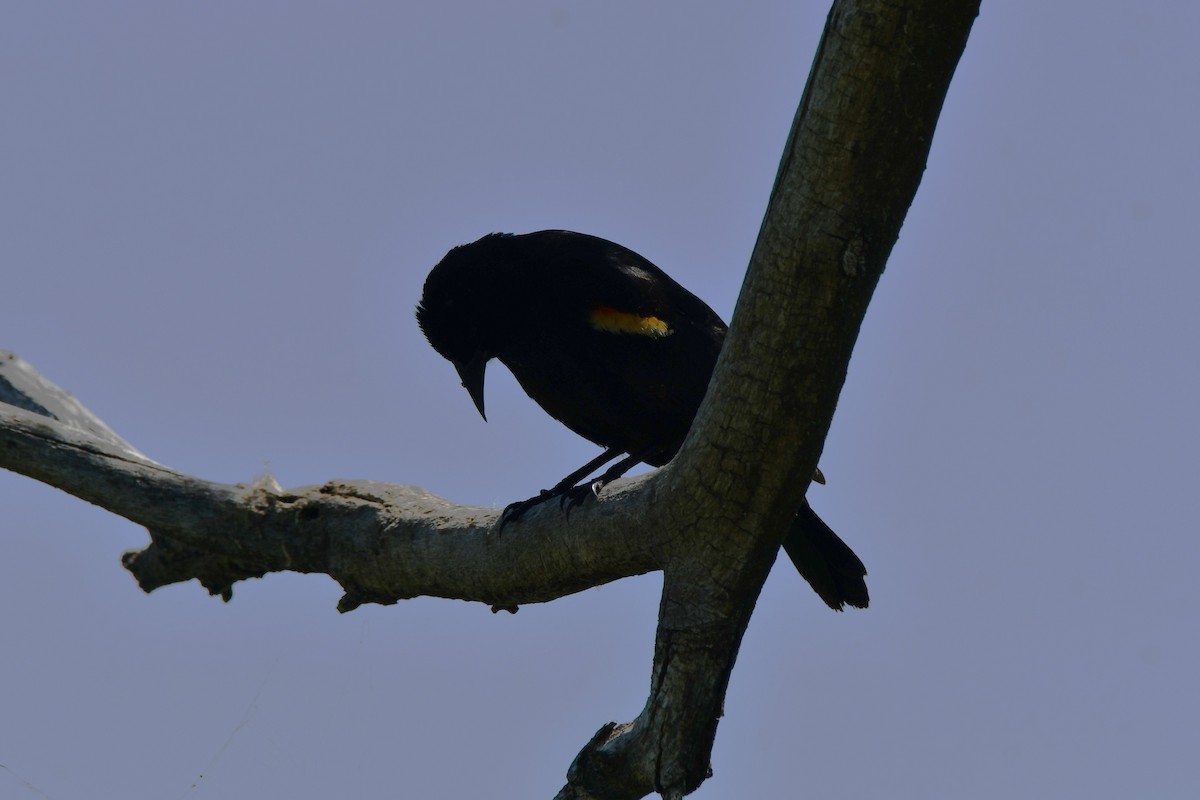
(854, 258)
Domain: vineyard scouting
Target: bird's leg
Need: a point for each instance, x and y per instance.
(515, 511)
(575, 495)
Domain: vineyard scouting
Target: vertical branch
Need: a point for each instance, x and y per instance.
(849, 172)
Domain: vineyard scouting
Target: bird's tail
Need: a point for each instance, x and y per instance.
(825, 561)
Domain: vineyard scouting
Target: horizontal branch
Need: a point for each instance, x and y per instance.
(381, 542)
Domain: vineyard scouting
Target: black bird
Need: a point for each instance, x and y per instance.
(610, 346)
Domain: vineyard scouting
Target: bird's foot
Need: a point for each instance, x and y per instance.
(578, 495)
(568, 498)
(514, 511)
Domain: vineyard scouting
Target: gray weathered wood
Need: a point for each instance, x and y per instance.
(382, 542)
(22, 386)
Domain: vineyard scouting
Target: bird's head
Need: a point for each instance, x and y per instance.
(458, 309)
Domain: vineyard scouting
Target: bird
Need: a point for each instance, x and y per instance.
(610, 346)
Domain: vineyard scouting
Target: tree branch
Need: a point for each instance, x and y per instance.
(712, 520)
(849, 172)
(382, 542)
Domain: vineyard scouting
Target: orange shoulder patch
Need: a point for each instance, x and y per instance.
(604, 318)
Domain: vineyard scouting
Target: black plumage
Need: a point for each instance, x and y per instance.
(609, 345)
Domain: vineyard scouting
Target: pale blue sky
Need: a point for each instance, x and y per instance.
(215, 221)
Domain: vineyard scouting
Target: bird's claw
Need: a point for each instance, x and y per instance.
(514, 511)
(569, 498)
(577, 495)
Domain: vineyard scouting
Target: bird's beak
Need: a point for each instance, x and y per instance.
(471, 373)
